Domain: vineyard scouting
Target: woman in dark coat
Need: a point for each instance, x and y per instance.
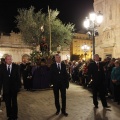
(115, 77)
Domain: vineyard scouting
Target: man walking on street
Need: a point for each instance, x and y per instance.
(59, 79)
(9, 79)
(96, 72)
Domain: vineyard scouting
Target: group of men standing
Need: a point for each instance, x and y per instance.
(10, 82)
(10, 77)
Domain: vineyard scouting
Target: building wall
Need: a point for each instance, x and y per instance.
(108, 41)
(13, 45)
(78, 41)
(65, 55)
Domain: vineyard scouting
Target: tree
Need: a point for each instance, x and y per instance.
(30, 23)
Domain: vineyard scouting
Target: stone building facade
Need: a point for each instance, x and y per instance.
(108, 41)
(13, 45)
(77, 42)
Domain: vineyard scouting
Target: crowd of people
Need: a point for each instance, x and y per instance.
(101, 76)
(80, 74)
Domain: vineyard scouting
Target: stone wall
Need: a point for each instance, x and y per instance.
(12, 44)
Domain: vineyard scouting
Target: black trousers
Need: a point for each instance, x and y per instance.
(11, 104)
(101, 90)
(56, 88)
(29, 83)
(117, 92)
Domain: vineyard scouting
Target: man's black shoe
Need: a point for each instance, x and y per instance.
(107, 106)
(9, 118)
(2, 100)
(96, 106)
(57, 113)
(65, 114)
(115, 100)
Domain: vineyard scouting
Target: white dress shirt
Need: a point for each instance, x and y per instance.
(96, 62)
(59, 65)
(10, 66)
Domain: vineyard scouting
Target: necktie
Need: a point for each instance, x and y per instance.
(9, 70)
(98, 66)
(58, 66)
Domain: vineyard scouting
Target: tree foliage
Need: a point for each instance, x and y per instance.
(29, 23)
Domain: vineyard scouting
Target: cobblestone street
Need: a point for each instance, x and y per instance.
(39, 105)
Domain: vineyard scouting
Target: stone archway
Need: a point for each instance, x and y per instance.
(25, 58)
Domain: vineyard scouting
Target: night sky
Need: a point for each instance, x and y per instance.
(73, 11)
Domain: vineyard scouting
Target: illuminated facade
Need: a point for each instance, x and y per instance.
(108, 41)
(78, 41)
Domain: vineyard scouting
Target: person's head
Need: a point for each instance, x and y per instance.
(8, 59)
(2, 60)
(108, 59)
(112, 61)
(117, 63)
(43, 61)
(96, 57)
(57, 58)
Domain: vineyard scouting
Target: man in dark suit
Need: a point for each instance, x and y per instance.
(2, 63)
(9, 79)
(59, 79)
(96, 72)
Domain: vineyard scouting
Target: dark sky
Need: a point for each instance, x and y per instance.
(73, 11)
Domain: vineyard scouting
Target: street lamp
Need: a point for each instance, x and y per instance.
(85, 48)
(91, 23)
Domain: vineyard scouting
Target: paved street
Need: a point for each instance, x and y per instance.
(39, 105)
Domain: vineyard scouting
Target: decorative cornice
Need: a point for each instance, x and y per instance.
(107, 45)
